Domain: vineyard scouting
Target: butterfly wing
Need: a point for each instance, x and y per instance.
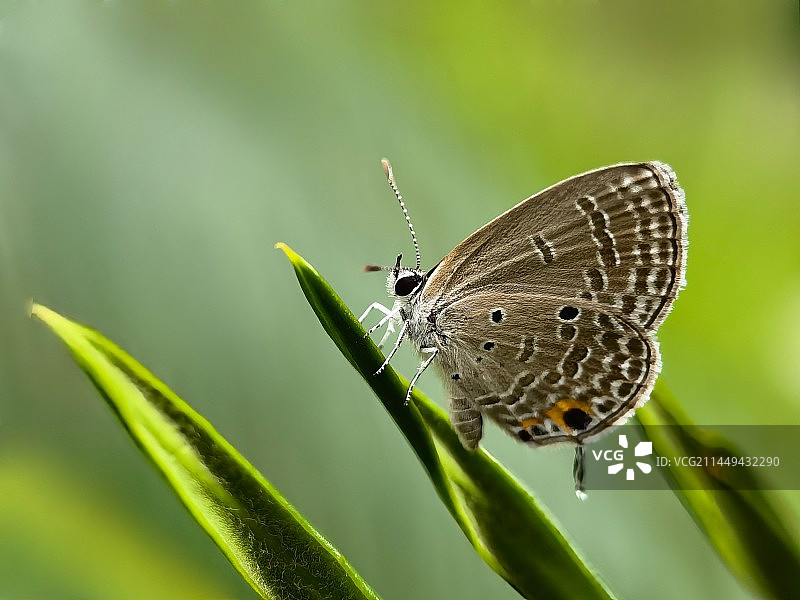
(615, 237)
(550, 370)
(610, 244)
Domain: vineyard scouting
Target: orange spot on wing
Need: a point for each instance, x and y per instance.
(556, 412)
(528, 422)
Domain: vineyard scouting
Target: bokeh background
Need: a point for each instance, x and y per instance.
(152, 153)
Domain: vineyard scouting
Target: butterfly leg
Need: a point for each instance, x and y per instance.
(374, 306)
(390, 316)
(389, 331)
(467, 421)
(397, 343)
(422, 367)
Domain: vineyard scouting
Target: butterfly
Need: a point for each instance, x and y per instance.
(544, 320)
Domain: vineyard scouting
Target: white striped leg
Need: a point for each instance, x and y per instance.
(422, 367)
(388, 318)
(390, 314)
(374, 306)
(389, 331)
(397, 343)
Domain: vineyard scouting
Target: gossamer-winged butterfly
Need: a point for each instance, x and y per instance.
(544, 320)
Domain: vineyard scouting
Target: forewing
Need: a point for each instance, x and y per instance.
(615, 237)
(550, 369)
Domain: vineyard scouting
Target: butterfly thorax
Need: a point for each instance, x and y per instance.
(422, 326)
(405, 286)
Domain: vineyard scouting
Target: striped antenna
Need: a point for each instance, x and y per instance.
(387, 168)
(395, 268)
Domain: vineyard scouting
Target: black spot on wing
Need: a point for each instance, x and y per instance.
(575, 418)
(568, 313)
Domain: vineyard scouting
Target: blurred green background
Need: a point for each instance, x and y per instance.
(152, 153)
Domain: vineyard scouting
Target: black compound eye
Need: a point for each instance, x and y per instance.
(405, 285)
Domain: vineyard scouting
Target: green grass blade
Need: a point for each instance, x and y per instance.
(271, 545)
(103, 550)
(508, 528)
(745, 526)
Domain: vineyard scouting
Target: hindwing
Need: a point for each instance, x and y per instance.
(546, 369)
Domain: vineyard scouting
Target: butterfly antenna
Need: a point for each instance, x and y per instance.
(373, 268)
(387, 168)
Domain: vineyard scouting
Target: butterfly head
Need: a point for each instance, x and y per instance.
(404, 282)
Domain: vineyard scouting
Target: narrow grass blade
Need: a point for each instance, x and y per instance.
(745, 526)
(508, 528)
(271, 545)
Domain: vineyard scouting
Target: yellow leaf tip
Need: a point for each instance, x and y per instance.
(286, 250)
(41, 312)
(34, 309)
